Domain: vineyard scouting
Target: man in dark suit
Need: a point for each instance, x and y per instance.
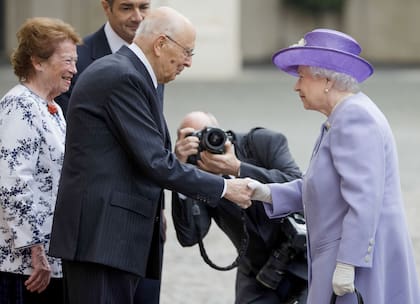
(263, 155)
(123, 19)
(117, 163)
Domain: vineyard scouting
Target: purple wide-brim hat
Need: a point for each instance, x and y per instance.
(328, 49)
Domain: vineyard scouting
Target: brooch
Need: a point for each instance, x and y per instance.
(52, 108)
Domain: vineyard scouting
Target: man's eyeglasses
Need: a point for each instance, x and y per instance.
(187, 52)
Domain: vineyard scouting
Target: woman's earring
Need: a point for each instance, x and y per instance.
(326, 90)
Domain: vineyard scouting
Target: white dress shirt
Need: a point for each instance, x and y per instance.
(114, 40)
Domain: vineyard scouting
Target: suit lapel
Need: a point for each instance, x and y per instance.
(166, 134)
(156, 104)
(100, 45)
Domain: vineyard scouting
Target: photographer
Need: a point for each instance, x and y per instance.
(273, 269)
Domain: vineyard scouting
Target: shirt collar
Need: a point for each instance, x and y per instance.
(114, 40)
(139, 53)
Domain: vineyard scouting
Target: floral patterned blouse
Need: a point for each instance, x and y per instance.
(31, 156)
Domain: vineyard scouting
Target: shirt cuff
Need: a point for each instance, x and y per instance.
(224, 188)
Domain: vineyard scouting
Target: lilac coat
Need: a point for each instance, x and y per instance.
(353, 207)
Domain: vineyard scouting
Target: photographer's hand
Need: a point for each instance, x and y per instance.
(224, 164)
(186, 145)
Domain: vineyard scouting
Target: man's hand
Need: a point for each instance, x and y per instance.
(186, 145)
(343, 279)
(224, 164)
(261, 192)
(41, 275)
(237, 191)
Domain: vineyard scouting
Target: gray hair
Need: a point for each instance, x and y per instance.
(160, 26)
(342, 82)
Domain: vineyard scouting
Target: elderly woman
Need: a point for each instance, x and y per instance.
(357, 230)
(32, 133)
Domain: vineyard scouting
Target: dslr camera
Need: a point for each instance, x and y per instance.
(211, 139)
(274, 270)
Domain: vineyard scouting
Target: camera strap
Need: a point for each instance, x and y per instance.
(241, 251)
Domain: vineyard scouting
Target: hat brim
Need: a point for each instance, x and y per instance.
(290, 59)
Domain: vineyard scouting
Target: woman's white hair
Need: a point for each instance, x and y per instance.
(342, 82)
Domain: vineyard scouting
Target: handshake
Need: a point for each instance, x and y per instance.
(242, 191)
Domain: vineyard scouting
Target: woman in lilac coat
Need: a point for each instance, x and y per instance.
(357, 230)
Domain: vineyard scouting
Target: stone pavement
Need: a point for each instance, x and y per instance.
(263, 96)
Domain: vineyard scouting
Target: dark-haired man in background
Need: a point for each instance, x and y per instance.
(123, 19)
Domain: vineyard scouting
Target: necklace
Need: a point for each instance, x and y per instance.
(52, 108)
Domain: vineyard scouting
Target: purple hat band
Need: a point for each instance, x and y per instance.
(327, 49)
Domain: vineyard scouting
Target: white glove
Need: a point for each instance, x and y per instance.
(261, 191)
(343, 279)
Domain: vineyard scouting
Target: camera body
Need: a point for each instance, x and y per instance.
(273, 271)
(294, 227)
(211, 139)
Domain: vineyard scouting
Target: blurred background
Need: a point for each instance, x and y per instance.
(235, 33)
(233, 78)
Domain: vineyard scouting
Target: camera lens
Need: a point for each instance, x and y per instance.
(214, 140)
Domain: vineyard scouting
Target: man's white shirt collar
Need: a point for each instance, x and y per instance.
(134, 47)
(115, 42)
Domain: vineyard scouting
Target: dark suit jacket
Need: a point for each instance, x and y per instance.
(117, 162)
(94, 46)
(264, 156)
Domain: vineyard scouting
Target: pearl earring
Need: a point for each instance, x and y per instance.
(326, 90)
